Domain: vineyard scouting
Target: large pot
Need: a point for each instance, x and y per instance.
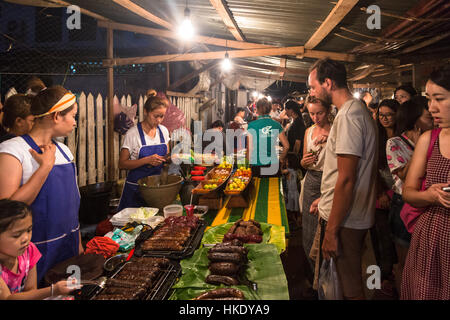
(157, 195)
(94, 206)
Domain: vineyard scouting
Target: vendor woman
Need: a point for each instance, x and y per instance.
(39, 171)
(144, 150)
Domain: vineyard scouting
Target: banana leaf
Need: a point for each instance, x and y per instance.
(264, 268)
(273, 234)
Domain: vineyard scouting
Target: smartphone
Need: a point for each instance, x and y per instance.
(446, 189)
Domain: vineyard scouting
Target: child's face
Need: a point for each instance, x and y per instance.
(15, 240)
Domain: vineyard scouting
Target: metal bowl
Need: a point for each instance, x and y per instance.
(157, 195)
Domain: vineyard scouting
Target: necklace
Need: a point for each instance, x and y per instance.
(148, 130)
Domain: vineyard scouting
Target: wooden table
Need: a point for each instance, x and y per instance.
(267, 204)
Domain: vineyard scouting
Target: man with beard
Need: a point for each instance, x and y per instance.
(347, 203)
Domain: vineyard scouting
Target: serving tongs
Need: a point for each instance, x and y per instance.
(246, 282)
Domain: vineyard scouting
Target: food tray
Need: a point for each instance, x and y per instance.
(236, 192)
(160, 291)
(208, 177)
(192, 243)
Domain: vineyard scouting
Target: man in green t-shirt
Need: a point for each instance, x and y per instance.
(264, 135)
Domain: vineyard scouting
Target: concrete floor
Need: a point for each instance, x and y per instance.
(298, 272)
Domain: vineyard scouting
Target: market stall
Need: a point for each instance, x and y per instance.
(183, 253)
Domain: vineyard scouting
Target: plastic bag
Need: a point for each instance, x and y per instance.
(124, 239)
(123, 116)
(329, 286)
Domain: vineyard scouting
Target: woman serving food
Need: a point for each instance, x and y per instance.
(144, 151)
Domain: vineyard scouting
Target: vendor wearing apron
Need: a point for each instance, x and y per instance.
(39, 171)
(143, 151)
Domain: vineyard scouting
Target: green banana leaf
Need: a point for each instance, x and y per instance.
(273, 234)
(264, 268)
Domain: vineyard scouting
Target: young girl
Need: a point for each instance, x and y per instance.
(18, 256)
(17, 118)
(41, 172)
(291, 173)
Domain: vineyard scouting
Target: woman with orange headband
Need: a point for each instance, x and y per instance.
(39, 171)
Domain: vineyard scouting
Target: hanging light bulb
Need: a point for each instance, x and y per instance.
(269, 98)
(255, 94)
(357, 95)
(226, 63)
(186, 29)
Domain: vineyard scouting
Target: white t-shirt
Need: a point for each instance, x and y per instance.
(132, 140)
(353, 133)
(18, 148)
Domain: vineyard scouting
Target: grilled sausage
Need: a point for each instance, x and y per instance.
(225, 257)
(230, 249)
(216, 279)
(221, 293)
(224, 268)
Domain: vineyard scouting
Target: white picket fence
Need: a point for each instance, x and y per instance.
(88, 142)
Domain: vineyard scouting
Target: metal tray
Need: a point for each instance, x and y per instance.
(192, 243)
(164, 282)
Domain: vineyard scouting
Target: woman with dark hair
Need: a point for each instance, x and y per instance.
(39, 171)
(426, 273)
(296, 130)
(412, 118)
(17, 118)
(404, 93)
(144, 149)
(380, 233)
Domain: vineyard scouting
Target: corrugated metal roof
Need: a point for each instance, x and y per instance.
(278, 23)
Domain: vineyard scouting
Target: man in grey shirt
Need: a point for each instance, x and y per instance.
(347, 203)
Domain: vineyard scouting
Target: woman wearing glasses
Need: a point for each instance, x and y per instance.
(380, 233)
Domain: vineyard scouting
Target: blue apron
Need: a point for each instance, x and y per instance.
(131, 197)
(55, 214)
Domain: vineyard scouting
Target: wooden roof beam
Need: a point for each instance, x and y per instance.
(340, 10)
(84, 11)
(205, 56)
(283, 71)
(170, 34)
(127, 4)
(227, 17)
(262, 75)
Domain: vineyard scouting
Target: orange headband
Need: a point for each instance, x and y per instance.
(65, 102)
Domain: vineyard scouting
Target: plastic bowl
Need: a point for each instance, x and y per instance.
(173, 210)
(199, 211)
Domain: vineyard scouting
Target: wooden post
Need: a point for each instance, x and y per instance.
(167, 74)
(111, 150)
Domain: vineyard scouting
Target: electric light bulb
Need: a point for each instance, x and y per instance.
(186, 29)
(226, 63)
